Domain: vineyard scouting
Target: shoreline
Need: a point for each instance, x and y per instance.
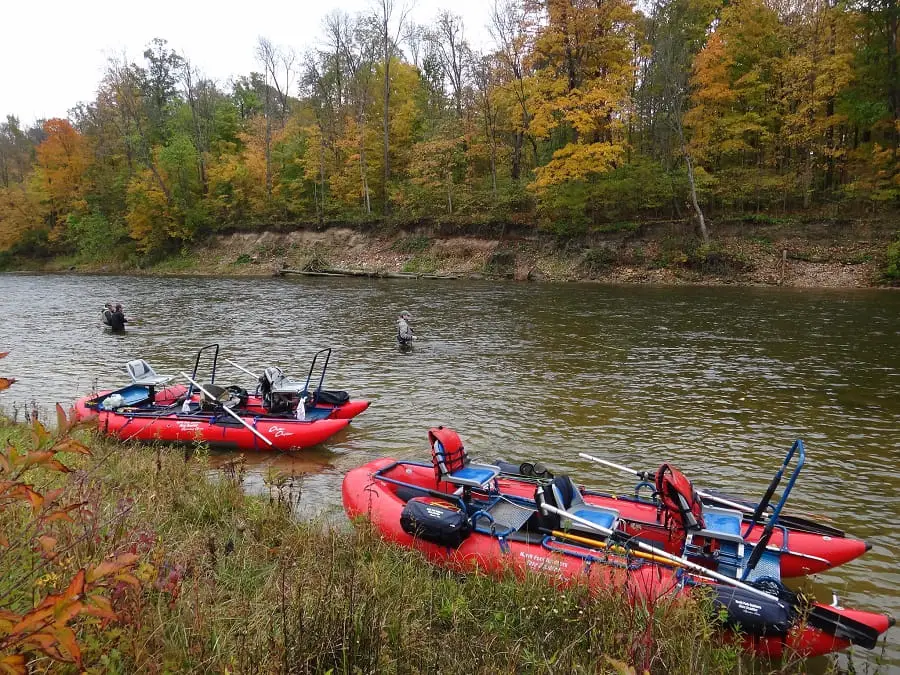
(849, 255)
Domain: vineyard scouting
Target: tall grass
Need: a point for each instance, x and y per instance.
(237, 584)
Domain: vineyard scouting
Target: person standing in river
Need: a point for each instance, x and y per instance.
(405, 334)
(117, 319)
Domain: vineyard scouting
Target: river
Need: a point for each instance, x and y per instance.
(719, 381)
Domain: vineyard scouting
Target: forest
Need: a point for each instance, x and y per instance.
(584, 113)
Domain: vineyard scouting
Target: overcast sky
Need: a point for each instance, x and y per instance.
(52, 53)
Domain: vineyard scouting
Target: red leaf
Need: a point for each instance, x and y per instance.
(48, 545)
(67, 639)
(40, 432)
(22, 492)
(36, 618)
(61, 514)
(111, 566)
(36, 457)
(99, 606)
(6, 382)
(62, 422)
(71, 445)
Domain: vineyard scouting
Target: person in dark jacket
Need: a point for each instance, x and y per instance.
(117, 319)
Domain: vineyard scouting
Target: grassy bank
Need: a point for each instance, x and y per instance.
(221, 582)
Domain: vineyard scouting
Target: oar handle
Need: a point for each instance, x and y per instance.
(683, 562)
(228, 410)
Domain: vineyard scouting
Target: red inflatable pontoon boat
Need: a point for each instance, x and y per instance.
(466, 515)
(729, 529)
(228, 418)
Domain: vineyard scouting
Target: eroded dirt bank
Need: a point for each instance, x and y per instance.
(820, 255)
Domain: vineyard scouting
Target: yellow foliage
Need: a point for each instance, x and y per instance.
(19, 212)
(148, 218)
(577, 162)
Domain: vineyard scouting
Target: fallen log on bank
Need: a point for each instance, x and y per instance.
(363, 273)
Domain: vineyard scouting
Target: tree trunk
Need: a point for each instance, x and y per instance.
(450, 193)
(387, 97)
(362, 174)
(268, 146)
(517, 156)
(322, 177)
(700, 219)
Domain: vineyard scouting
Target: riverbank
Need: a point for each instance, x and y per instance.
(211, 580)
(751, 251)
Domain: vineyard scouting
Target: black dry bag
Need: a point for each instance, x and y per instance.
(435, 520)
(754, 615)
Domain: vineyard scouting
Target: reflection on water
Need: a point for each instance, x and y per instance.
(280, 477)
(719, 381)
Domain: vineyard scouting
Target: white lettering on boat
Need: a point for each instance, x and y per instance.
(189, 426)
(279, 432)
(541, 563)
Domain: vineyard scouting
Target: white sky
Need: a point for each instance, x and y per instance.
(53, 53)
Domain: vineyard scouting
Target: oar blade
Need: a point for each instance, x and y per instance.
(843, 627)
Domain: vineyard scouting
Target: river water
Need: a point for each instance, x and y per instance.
(718, 380)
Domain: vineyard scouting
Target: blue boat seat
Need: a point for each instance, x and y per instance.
(723, 526)
(562, 493)
(719, 521)
(452, 464)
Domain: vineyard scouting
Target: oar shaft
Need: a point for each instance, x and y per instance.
(620, 467)
(609, 547)
(683, 562)
(251, 374)
(640, 474)
(228, 410)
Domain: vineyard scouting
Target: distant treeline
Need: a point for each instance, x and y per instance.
(586, 112)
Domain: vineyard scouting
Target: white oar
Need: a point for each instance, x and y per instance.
(640, 474)
(227, 409)
(683, 562)
(242, 368)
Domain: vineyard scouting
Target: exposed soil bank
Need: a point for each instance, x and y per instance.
(822, 254)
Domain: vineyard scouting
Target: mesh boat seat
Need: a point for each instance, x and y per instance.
(452, 463)
(562, 493)
(142, 373)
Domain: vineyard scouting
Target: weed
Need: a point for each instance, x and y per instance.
(595, 261)
(416, 243)
(422, 264)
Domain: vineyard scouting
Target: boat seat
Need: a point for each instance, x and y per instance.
(452, 463)
(724, 526)
(564, 494)
(722, 523)
(142, 373)
(275, 381)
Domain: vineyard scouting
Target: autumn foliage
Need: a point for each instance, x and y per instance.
(45, 595)
(580, 114)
